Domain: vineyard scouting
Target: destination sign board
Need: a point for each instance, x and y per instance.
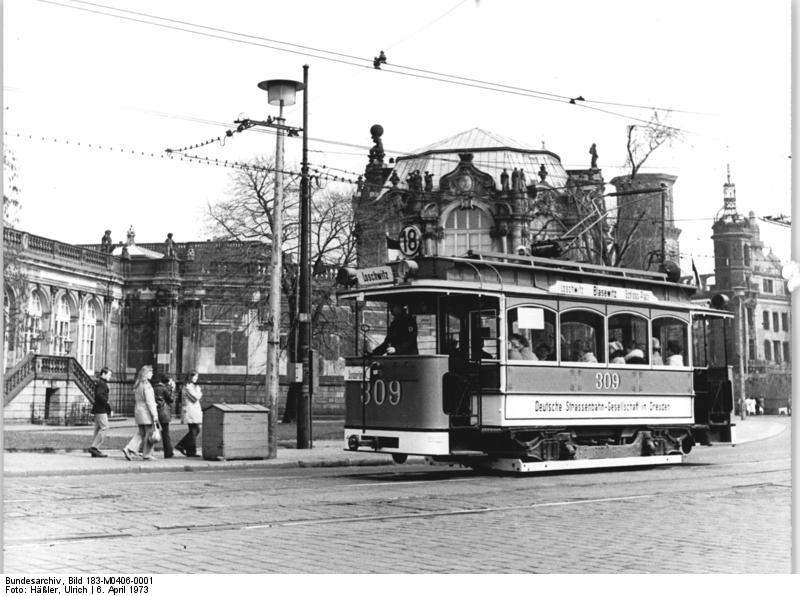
(602, 292)
(374, 275)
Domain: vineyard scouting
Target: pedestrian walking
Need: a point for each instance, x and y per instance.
(162, 389)
(101, 410)
(144, 414)
(191, 394)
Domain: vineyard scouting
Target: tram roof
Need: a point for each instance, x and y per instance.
(512, 274)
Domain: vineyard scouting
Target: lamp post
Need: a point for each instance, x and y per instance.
(304, 314)
(281, 92)
(739, 293)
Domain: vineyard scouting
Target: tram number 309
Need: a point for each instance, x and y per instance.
(379, 391)
(606, 381)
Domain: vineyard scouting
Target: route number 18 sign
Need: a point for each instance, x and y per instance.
(410, 240)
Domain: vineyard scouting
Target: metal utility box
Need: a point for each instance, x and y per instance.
(235, 431)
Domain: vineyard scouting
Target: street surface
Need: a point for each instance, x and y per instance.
(726, 511)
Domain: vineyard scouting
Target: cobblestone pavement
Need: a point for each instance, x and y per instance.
(727, 511)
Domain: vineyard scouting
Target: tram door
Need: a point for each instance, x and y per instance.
(471, 339)
(713, 388)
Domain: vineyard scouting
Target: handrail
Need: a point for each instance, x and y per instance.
(18, 377)
(44, 366)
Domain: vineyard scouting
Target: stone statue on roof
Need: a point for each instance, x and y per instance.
(504, 180)
(106, 243)
(593, 153)
(428, 182)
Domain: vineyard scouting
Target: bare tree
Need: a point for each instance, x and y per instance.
(644, 139)
(580, 214)
(247, 214)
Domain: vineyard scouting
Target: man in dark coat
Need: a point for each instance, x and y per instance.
(101, 410)
(401, 338)
(162, 390)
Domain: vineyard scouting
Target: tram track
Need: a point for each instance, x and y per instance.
(268, 523)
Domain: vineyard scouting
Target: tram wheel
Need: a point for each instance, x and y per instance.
(399, 458)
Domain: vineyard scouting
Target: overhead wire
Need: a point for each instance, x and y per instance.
(456, 80)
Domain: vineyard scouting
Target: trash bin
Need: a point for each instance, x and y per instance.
(235, 431)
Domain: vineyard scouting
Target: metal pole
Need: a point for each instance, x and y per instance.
(663, 225)
(304, 314)
(273, 345)
(742, 402)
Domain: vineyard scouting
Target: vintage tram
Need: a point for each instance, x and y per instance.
(527, 364)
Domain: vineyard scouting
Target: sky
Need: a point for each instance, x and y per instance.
(91, 101)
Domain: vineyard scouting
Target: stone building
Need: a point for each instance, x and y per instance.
(474, 191)
(646, 215)
(749, 273)
(70, 310)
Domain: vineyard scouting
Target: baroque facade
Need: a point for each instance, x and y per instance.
(483, 192)
(70, 310)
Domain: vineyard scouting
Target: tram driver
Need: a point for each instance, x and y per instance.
(401, 337)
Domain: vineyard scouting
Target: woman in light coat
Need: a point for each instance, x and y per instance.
(145, 415)
(192, 415)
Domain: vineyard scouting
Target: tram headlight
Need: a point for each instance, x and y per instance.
(346, 277)
(407, 269)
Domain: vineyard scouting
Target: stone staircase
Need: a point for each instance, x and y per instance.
(43, 367)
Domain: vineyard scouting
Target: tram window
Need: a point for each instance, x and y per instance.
(672, 334)
(537, 326)
(627, 339)
(582, 337)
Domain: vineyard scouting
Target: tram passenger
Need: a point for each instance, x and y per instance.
(520, 348)
(401, 337)
(635, 355)
(582, 351)
(543, 352)
(656, 357)
(674, 353)
(616, 353)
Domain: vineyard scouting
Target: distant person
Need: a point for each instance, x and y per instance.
(520, 348)
(401, 337)
(163, 388)
(101, 410)
(145, 415)
(192, 416)
(674, 354)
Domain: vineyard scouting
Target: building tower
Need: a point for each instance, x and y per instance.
(642, 218)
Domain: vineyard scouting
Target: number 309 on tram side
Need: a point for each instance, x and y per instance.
(523, 364)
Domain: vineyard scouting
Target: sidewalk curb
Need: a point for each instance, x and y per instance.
(203, 467)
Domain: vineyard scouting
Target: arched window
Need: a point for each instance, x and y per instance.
(746, 255)
(467, 229)
(61, 336)
(671, 335)
(537, 327)
(582, 336)
(88, 328)
(627, 339)
(33, 324)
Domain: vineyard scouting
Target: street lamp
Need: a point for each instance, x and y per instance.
(283, 92)
(280, 92)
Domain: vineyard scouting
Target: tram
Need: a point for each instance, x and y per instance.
(526, 364)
